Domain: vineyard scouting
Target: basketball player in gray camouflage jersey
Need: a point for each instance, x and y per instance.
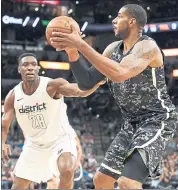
(135, 73)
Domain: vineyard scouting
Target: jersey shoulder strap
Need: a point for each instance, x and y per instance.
(145, 37)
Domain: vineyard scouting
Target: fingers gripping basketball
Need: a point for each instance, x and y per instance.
(60, 24)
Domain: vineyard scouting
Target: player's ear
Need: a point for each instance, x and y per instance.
(133, 21)
(18, 69)
(39, 68)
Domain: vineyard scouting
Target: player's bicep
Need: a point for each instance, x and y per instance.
(9, 113)
(69, 90)
(138, 60)
(130, 68)
(54, 86)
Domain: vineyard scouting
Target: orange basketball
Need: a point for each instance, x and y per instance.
(60, 24)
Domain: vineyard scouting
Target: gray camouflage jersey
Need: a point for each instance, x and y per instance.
(144, 95)
(149, 116)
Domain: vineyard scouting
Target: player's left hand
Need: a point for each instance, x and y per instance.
(63, 40)
(6, 151)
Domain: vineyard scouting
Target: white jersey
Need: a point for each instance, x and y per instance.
(42, 119)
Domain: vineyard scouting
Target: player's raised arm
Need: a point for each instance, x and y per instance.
(67, 89)
(7, 118)
(87, 77)
(130, 66)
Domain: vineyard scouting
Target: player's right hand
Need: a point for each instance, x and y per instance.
(72, 53)
(6, 151)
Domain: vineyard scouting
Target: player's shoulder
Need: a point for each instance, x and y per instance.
(113, 44)
(146, 45)
(10, 96)
(11, 92)
(45, 81)
(110, 48)
(56, 83)
(18, 85)
(148, 48)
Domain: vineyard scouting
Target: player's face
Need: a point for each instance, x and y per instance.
(122, 24)
(29, 69)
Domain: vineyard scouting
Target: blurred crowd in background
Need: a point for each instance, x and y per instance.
(97, 118)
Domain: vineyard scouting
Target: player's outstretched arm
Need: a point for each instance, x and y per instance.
(60, 86)
(145, 53)
(7, 118)
(87, 76)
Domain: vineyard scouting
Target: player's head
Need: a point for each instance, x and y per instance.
(28, 67)
(129, 17)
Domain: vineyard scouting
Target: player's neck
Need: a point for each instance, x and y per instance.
(30, 87)
(130, 41)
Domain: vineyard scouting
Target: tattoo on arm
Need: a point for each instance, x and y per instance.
(144, 55)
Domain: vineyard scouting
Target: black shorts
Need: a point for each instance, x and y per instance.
(149, 137)
(135, 163)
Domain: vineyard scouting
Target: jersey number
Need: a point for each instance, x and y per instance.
(38, 121)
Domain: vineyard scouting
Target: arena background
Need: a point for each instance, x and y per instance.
(96, 118)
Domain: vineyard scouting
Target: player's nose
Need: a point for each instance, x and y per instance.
(114, 21)
(30, 67)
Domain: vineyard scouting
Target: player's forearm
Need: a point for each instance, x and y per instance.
(73, 54)
(88, 92)
(5, 127)
(106, 66)
(86, 77)
(4, 132)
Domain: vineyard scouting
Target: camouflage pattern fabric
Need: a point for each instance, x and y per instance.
(145, 134)
(150, 118)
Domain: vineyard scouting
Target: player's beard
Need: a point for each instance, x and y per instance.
(123, 34)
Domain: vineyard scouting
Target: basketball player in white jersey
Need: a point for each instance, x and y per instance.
(42, 119)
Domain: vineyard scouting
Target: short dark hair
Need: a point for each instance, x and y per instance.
(138, 12)
(25, 55)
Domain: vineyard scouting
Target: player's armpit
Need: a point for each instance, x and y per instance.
(143, 54)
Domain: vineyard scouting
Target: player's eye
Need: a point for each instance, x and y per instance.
(25, 64)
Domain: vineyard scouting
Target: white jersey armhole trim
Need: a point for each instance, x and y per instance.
(49, 95)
